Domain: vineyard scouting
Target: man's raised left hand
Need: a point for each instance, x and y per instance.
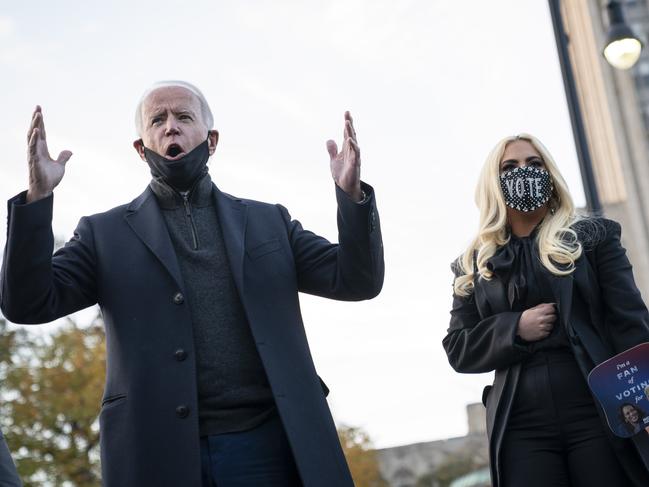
(346, 164)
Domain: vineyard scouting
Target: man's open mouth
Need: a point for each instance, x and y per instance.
(173, 151)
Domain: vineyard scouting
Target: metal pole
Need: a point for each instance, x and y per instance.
(578, 131)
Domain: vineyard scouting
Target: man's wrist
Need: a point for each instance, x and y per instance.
(357, 195)
(364, 195)
(33, 195)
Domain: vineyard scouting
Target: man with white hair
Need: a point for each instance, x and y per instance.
(209, 377)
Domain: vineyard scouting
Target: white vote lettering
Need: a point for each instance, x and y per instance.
(632, 390)
(530, 183)
(520, 187)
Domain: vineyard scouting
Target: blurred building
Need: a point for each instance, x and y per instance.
(615, 109)
(479, 478)
(637, 16)
(416, 465)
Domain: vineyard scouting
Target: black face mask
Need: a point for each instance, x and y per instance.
(526, 188)
(182, 173)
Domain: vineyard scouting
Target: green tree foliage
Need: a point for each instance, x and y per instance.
(361, 457)
(50, 390)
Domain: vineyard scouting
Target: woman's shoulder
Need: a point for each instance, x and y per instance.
(592, 231)
(456, 267)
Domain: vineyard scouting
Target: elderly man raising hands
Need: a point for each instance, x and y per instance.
(209, 380)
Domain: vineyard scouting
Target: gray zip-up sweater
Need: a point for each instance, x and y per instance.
(233, 391)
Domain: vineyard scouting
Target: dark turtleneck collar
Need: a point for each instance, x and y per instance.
(168, 198)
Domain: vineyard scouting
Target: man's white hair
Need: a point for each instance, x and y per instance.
(206, 113)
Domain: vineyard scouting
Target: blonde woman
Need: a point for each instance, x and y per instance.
(541, 297)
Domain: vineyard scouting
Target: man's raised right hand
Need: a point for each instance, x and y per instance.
(45, 173)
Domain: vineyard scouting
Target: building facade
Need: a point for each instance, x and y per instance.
(416, 465)
(615, 110)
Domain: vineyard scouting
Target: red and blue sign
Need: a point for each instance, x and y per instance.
(621, 385)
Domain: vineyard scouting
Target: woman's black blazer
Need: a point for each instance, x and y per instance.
(598, 304)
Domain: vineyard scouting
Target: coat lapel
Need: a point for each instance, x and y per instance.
(490, 295)
(145, 219)
(494, 294)
(233, 217)
(587, 284)
(589, 325)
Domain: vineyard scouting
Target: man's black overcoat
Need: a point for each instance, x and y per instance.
(123, 259)
(600, 307)
(8, 474)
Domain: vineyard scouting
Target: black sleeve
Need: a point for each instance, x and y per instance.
(627, 318)
(476, 345)
(351, 270)
(36, 286)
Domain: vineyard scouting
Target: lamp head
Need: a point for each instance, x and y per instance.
(622, 48)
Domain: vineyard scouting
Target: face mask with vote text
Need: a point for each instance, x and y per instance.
(526, 188)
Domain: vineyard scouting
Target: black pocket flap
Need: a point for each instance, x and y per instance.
(112, 399)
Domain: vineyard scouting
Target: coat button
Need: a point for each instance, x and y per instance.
(180, 355)
(179, 298)
(182, 411)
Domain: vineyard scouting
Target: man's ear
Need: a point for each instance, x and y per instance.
(212, 140)
(138, 145)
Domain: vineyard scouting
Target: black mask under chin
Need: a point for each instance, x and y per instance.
(182, 173)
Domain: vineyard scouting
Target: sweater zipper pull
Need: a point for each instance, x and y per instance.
(188, 213)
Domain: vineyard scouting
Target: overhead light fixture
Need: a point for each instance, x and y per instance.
(622, 48)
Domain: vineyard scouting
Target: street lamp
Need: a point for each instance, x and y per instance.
(622, 47)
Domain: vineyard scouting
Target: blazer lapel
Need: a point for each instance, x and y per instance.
(145, 219)
(587, 284)
(494, 294)
(233, 217)
(490, 295)
(592, 332)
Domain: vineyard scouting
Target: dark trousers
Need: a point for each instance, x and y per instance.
(554, 435)
(8, 473)
(258, 457)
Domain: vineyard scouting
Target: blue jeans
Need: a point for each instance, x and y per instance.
(260, 457)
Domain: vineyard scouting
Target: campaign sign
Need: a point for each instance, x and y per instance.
(621, 385)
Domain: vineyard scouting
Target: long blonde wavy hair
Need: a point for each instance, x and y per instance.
(558, 245)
